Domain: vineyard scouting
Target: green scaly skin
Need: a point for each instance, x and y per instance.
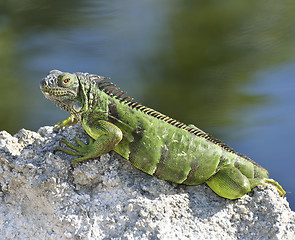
(151, 141)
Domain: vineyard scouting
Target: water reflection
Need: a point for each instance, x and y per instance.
(214, 49)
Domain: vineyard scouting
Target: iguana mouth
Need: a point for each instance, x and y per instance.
(56, 95)
(56, 92)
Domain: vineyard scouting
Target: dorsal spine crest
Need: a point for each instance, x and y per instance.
(110, 89)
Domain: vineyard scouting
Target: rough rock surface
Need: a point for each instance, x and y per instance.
(43, 197)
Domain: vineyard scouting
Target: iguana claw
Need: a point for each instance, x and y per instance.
(80, 150)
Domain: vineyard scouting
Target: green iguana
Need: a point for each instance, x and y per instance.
(151, 141)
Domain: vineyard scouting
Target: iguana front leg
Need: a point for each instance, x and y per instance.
(105, 134)
(65, 123)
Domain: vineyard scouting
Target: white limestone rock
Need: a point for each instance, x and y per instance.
(43, 197)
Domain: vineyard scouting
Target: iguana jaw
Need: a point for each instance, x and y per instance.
(56, 93)
(58, 96)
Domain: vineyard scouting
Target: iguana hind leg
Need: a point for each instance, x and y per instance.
(230, 183)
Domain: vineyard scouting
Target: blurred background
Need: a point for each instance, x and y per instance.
(226, 66)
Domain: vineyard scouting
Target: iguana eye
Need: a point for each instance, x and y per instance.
(67, 80)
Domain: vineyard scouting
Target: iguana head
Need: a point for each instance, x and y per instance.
(63, 89)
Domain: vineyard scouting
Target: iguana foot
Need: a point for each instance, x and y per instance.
(83, 150)
(279, 188)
